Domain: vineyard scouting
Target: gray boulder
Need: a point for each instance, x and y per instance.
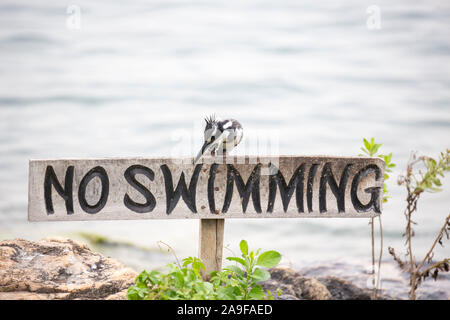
(297, 286)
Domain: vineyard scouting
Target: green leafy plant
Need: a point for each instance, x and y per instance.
(371, 149)
(177, 283)
(240, 281)
(235, 282)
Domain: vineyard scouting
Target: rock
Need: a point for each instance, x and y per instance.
(287, 297)
(343, 290)
(273, 286)
(283, 274)
(313, 289)
(293, 283)
(56, 268)
(284, 278)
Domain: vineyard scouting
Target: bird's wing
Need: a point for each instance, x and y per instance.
(219, 141)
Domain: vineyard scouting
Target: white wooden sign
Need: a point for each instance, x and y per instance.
(167, 188)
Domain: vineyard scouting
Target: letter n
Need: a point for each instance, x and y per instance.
(65, 193)
(338, 190)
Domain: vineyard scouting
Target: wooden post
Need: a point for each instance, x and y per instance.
(211, 244)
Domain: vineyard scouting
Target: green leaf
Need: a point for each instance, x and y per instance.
(187, 261)
(260, 275)
(256, 293)
(142, 278)
(237, 259)
(235, 269)
(136, 293)
(270, 295)
(268, 259)
(228, 293)
(367, 144)
(244, 247)
(375, 148)
(197, 265)
(389, 157)
(179, 279)
(279, 292)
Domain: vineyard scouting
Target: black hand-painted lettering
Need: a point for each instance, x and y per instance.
(188, 194)
(150, 201)
(212, 177)
(338, 190)
(99, 172)
(286, 191)
(375, 199)
(244, 189)
(65, 193)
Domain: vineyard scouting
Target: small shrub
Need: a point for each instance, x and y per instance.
(236, 282)
(416, 180)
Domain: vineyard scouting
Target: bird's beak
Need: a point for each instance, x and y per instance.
(200, 153)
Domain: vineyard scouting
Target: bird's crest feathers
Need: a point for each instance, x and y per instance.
(211, 119)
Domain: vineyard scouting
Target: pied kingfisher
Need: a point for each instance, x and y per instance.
(221, 136)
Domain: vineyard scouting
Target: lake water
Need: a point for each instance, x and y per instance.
(137, 78)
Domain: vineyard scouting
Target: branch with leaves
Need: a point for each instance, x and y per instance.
(417, 181)
(371, 149)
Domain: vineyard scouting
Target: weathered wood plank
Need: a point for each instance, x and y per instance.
(211, 244)
(165, 188)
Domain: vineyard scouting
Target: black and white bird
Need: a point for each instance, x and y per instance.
(220, 136)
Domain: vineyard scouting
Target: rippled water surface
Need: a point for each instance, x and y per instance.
(139, 76)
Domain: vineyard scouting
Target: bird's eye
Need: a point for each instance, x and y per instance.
(213, 138)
